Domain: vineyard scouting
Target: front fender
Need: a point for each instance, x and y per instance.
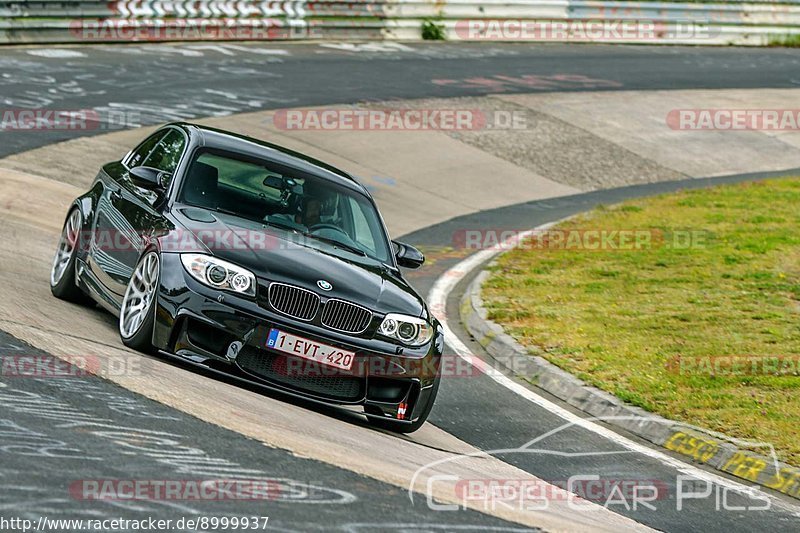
(87, 204)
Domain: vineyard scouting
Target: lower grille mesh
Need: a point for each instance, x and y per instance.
(276, 368)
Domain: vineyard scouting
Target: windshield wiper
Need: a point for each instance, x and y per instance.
(281, 225)
(234, 213)
(228, 212)
(338, 244)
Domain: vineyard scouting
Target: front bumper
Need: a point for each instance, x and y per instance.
(228, 333)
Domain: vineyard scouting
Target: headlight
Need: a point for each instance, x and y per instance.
(219, 274)
(409, 330)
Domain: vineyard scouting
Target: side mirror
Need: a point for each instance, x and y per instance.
(149, 178)
(408, 256)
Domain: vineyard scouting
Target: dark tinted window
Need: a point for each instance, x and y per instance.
(143, 150)
(167, 153)
(288, 198)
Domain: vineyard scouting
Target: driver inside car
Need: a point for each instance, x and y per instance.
(310, 214)
(307, 215)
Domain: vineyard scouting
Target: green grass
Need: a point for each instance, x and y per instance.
(618, 318)
(786, 41)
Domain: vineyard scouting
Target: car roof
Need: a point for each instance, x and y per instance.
(206, 136)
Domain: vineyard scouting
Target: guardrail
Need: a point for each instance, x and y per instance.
(750, 22)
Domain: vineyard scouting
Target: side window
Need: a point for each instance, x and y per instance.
(138, 156)
(167, 153)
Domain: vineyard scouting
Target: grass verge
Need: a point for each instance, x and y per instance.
(786, 41)
(701, 325)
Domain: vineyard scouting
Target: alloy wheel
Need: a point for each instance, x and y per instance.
(139, 296)
(66, 247)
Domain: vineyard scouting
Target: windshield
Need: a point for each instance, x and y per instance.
(284, 197)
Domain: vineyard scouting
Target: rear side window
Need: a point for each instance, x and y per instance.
(138, 156)
(167, 153)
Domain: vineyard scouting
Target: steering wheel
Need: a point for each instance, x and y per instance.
(317, 227)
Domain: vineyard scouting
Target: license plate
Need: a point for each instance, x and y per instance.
(311, 350)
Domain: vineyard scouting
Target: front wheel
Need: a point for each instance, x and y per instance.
(137, 314)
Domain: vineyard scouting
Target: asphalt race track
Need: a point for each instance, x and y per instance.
(98, 422)
(162, 83)
(54, 432)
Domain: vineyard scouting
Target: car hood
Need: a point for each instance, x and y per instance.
(273, 254)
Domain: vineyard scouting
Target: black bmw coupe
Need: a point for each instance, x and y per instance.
(257, 261)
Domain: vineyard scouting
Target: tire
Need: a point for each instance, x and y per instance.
(137, 314)
(399, 427)
(63, 282)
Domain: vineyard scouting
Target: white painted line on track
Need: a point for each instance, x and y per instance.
(59, 53)
(437, 299)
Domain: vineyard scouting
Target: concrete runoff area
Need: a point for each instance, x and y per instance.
(648, 124)
(565, 143)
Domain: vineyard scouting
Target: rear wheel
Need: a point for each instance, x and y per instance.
(62, 274)
(137, 314)
(398, 427)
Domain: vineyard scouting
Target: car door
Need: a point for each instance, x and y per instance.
(128, 214)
